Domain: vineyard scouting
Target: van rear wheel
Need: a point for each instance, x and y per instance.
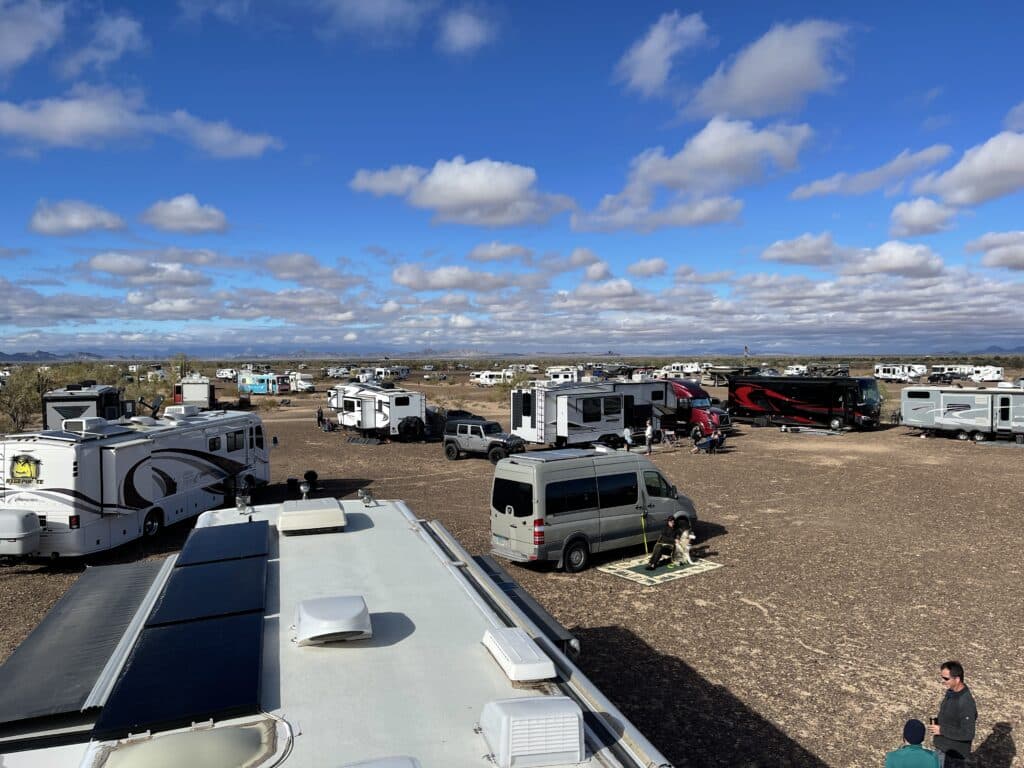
(576, 557)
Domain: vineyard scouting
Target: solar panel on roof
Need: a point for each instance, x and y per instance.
(180, 674)
(225, 542)
(212, 589)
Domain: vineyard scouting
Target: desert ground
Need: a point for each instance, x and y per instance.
(853, 566)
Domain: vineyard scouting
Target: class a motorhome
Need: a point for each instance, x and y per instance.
(494, 378)
(968, 413)
(286, 634)
(94, 484)
(564, 414)
(901, 372)
(263, 383)
(380, 410)
(828, 401)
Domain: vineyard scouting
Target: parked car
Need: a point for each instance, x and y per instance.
(481, 437)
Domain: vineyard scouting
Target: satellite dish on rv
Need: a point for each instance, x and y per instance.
(154, 406)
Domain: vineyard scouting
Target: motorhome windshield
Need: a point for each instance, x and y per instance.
(869, 393)
(492, 429)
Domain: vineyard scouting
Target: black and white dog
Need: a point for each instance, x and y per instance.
(683, 551)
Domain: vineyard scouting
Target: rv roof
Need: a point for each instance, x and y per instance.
(131, 429)
(560, 454)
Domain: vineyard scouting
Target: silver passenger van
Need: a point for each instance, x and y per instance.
(566, 504)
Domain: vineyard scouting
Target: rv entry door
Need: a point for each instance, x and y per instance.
(368, 417)
(1003, 411)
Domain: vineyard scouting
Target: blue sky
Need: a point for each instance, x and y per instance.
(400, 175)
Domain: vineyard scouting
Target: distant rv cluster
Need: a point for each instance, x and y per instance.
(940, 374)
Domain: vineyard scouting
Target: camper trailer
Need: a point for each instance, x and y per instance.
(795, 370)
(195, 390)
(563, 373)
(563, 414)
(227, 374)
(834, 401)
(902, 372)
(83, 401)
(969, 414)
(94, 484)
(380, 410)
(300, 382)
(983, 373)
(679, 370)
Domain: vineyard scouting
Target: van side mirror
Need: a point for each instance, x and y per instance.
(673, 492)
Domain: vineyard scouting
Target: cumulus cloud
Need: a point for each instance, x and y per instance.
(775, 74)
(1001, 249)
(985, 172)
(1014, 120)
(304, 269)
(113, 36)
(89, 116)
(922, 216)
(888, 175)
(461, 321)
(897, 258)
(482, 192)
(464, 32)
(815, 250)
(495, 251)
(27, 28)
(381, 21)
(136, 270)
(350, 336)
(599, 270)
(610, 289)
(446, 278)
(72, 217)
(645, 67)
(648, 267)
(185, 214)
(226, 10)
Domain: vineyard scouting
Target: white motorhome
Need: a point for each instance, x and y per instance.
(493, 378)
(561, 414)
(983, 373)
(227, 374)
(679, 370)
(563, 373)
(381, 410)
(973, 413)
(96, 484)
(902, 372)
(301, 382)
(795, 370)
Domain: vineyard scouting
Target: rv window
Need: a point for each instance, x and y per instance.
(259, 436)
(617, 490)
(657, 486)
(214, 444)
(236, 440)
(509, 493)
(919, 395)
(591, 408)
(528, 404)
(659, 395)
(403, 400)
(612, 406)
(570, 496)
(252, 439)
(349, 405)
(1004, 409)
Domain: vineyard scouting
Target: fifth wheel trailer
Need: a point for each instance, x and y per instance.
(566, 413)
(967, 413)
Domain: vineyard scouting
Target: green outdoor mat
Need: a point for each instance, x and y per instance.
(635, 569)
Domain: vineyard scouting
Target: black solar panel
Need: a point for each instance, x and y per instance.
(185, 673)
(225, 542)
(212, 589)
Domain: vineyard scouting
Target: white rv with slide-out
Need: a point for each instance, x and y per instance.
(563, 414)
(94, 484)
(380, 410)
(968, 413)
(903, 372)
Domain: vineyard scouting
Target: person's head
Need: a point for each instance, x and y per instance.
(913, 732)
(648, 422)
(952, 674)
(671, 521)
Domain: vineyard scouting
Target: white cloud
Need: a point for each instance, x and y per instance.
(184, 214)
(464, 32)
(646, 65)
(390, 306)
(27, 28)
(461, 321)
(445, 278)
(985, 172)
(136, 270)
(648, 267)
(495, 251)
(599, 270)
(113, 36)
(897, 258)
(888, 175)
(774, 74)
(92, 116)
(580, 257)
(1001, 249)
(808, 249)
(611, 289)
(304, 269)
(482, 192)
(225, 10)
(1014, 120)
(71, 217)
(350, 336)
(922, 216)
(379, 20)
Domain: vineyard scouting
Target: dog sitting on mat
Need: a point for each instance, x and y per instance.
(683, 550)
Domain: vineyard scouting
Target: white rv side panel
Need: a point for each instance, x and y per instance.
(127, 477)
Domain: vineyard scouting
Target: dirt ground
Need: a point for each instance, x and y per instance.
(853, 566)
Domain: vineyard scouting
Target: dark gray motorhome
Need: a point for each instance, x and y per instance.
(970, 414)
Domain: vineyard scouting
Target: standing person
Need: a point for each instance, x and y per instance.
(627, 438)
(320, 417)
(649, 436)
(953, 729)
(912, 754)
(666, 543)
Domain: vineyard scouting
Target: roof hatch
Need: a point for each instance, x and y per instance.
(311, 516)
(537, 731)
(331, 619)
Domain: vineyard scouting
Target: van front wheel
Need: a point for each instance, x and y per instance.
(576, 557)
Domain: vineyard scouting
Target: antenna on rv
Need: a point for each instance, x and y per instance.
(155, 405)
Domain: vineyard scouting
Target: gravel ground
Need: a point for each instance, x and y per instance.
(853, 566)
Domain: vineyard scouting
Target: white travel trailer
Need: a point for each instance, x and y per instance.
(965, 370)
(680, 370)
(195, 390)
(563, 373)
(795, 370)
(986, 373)
(899, 371)
(493, 378)
(301, 382)
(567, 413)
(381, 410)
(96, 484)
(974, 413)
(227, 374)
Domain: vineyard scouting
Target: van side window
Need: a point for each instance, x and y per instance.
(591, 407)
(657, 486)
(617, 490)
(510, 493)
(570, 496)
(612, 406)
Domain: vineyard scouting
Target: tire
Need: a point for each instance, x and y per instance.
(835, 425)
(576, 557)
(451, 451)
(979, 437)
(410, 429)
(696, 434)
(963, 435)
(560, 442)
(153, 523)
(496, 454)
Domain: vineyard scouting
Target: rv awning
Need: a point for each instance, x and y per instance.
(661, 410)
(55, 669)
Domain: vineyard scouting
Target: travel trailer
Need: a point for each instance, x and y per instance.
(300, 382)
(195, 390)
(85, 400)
(982, 373)
(680, 370)
(286, 634)
(834, 402)
(227, 374)
(563, 414)
(381, 410)
(969, 413)
(95, 484)
(493, 378)
(902, 372)
(563, 373)
(795, 370)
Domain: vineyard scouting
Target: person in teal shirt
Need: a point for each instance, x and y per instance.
(912, 754)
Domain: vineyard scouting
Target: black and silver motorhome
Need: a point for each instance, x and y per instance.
(830, 401)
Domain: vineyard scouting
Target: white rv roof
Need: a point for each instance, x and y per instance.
(130, 430)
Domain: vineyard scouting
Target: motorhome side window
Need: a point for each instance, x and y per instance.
(236, 440)
(510, 493)
(570, 496)
(612, 406)
(259, 436)
(658, 395)
(214, 444)
(919, 395)
(591, 408)
(617, 490)
(403, 400)
(657, 486)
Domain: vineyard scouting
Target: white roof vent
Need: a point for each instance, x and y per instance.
(518, 655)
(394, 761)
(537, 731)
(87, 424)
(181, 411)
(311, 516)
(146, 421)
(332, 619)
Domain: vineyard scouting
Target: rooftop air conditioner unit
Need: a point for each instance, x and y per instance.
(518, 655)
(331, 619)
(87, 424)
(533, 732)
(311, 516)
(181, 411)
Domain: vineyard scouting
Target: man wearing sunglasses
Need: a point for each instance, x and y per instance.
(953, 730)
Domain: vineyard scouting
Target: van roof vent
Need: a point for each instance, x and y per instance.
(311, 516)
(517, 654)
(536, 731)
(332, 619)
(181, 411)
(88, 424)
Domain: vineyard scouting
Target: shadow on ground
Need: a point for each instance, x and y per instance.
(691, 720)
(997, 750)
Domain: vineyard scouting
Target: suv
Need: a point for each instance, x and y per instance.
(479, 436)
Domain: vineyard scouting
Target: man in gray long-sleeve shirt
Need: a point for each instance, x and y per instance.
(954, 730)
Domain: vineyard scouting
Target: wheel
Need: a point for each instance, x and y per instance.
(410, 429)
(451, 451)
(496, 454)
(560, 442)
(979, 437)
(153, 523)
(696, 434)
(835, 424)
(963, 435)
(576, 556)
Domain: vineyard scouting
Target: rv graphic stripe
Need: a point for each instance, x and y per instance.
(132, 497)
(229, 466)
